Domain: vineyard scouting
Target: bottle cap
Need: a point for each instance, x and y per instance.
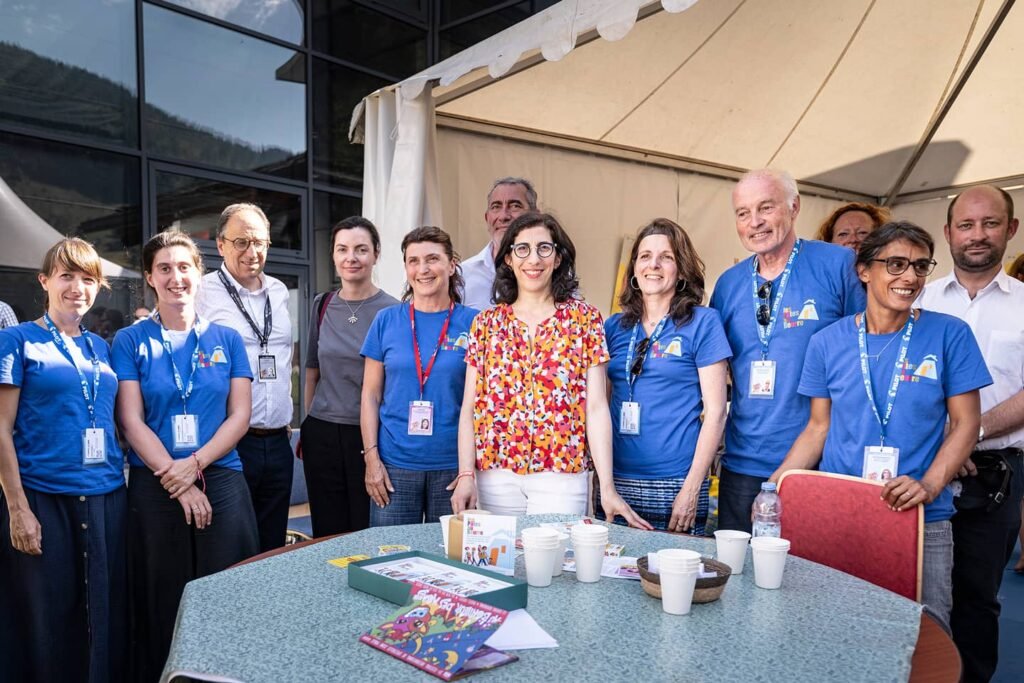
(768, 486)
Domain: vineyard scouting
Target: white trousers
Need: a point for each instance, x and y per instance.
(506, 493)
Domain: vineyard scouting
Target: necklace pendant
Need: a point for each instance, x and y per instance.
(352, 319)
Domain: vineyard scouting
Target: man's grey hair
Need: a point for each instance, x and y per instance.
(233, 209)
(782, 178)
(531, 194)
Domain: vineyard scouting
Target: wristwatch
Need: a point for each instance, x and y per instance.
(981, 434)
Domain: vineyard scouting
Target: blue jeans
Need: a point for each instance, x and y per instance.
(736, 494)
(937, 569)
(419, 496)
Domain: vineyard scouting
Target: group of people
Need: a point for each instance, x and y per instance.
(493, 384)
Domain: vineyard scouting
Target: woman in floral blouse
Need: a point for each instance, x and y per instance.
(527, 430)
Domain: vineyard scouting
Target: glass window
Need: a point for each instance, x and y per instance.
(416, 9)
(336, 91)
(349, 31)
(275, 18)
(328, 209)
(458, 38)
(222, 98)
(193, 205)
(59, 189)
(453, 10)
(68, 66)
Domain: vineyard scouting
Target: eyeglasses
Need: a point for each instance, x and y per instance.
(897, 265)
(641, 355)
(524, 249)
(242, 244)
(764, 293)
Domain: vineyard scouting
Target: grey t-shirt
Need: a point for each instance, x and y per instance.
(334, 349)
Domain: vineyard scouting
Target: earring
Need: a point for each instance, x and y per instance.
(681, 286)
(634, 283)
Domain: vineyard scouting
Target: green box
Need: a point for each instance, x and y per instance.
(393, 590)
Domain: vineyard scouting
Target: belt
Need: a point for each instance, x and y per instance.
(1005, 452)
(258, 431)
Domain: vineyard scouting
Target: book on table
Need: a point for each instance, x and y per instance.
(489, 541)
(441, 633)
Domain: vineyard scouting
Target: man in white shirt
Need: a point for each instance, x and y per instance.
(979, 223)
(240, 295)
(7, 316)
(509, 197)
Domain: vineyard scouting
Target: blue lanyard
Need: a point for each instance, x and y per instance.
(58, 341)
(764, 333)
(631, 351)
(897, 372)
(184, 391)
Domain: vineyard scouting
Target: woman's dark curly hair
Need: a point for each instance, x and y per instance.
(690, 288)
(429, 233)
(564, 282)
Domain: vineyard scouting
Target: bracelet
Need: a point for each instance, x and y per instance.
(467, 473)
(199, 472)
(367, 450)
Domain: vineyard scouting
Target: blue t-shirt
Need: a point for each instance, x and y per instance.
(389, 341)
(668, 391)
(943, 360)
(52, 413)
(139, 356)
(822, 288)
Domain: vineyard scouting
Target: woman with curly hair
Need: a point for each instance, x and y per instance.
(668, 364)
(848, 225)
(535, 409)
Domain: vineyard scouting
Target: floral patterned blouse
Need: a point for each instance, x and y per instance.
(531, 394)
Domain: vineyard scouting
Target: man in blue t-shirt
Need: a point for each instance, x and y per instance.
(770, 305)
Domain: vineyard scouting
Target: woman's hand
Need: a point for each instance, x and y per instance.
(613, 504)
(904, 493)
(463, 494)
(178, 476)
(196, 506)
(26, 532)
(378, 483)
(684, 508)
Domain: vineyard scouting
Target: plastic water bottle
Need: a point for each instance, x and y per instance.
(767, 512)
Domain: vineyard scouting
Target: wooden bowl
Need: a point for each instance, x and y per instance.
(706, 590)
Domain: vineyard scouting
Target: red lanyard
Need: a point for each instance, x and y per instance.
(424, 376)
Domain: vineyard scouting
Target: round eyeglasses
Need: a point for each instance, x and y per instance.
(524, 249)
(242, 244)
(897, 265)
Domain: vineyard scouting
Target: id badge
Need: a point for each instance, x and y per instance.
(421, 418)
(629, 418)
(880, 463)
(267, 367)
(186, 432)
(762, 379)
(94, 446)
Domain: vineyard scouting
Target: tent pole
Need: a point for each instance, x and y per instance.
(944, 109)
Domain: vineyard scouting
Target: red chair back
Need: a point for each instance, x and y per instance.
(842, 522)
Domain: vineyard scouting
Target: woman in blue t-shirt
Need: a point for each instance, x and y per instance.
(184, 402)
(63, 504)
(413, 381)
(882, 384)
(668, 364)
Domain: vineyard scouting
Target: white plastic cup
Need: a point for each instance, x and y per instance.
(589, 558)
(563, 542)
(732, 548)
(540, 547)
(445, 521)
(589, 533)
(769, 560)
(677, 590)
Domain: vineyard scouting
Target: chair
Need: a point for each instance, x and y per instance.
(842, 522)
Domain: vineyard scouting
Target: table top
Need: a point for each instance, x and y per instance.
(293, 617)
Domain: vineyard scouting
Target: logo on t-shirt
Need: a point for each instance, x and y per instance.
(674, 347)
(791, 319)
(925, 369)
(218, 355)
(460, 343)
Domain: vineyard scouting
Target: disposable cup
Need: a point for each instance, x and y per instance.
(677, 590)
(563, 541)
(445, 521)
(769, 560)
(732, 548)
(539, 563)
(539, 536)
(589, 557)
(589, 532)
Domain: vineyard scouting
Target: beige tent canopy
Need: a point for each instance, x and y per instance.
(651, 108)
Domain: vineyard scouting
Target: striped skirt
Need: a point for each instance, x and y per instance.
(652, 499)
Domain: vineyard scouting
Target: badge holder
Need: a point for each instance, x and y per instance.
(881, 463)
(421, 418)
(629, 418)
(266, 368)
(186, 432)
(94, 446)
(762, 379)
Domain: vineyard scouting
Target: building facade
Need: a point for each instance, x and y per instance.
(122, 118)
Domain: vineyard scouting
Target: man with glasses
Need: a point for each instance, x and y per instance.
(979, 224)
(509, 197)
(770, 305)
(240, 295)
